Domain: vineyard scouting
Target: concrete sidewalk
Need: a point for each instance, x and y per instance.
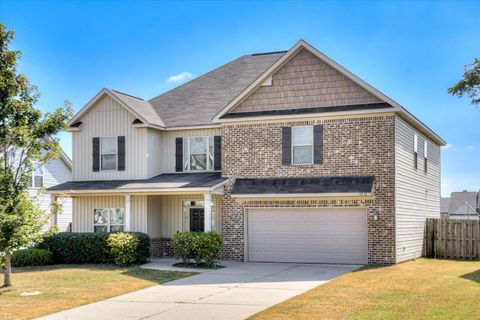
(235, 292)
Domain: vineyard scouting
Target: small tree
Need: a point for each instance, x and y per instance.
(470, 84)
(25, 143)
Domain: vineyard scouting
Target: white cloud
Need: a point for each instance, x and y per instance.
(470, 147)
(448, 146)
(179, 77)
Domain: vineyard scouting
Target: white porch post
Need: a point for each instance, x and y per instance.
(54, 217)
(207, 200)
(128, 215)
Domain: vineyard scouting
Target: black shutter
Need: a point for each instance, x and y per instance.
(96, 154)
(217, 153)
(121, 153)
(318, 144)
(286, 146)
(178, 154)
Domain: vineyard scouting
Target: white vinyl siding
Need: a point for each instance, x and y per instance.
(417, 194)
(55, 172)
(109, 119)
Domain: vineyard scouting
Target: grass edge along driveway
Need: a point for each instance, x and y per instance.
(420, 289)
(68, 286)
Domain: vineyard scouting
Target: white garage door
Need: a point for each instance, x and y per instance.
(307, 235)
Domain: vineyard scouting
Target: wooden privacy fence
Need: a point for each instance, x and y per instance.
(452, 239)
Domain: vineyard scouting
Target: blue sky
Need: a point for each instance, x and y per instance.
(412, 52)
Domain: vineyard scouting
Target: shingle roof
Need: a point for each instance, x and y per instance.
(197, 101)
(458, 199)
(140, 106)
(444, 204)
(170, 180)
(344, 184)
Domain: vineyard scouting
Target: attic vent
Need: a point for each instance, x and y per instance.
(267, 82)
(76, 124)
(137, 121)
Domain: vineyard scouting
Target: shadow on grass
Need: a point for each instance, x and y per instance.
(472, 276)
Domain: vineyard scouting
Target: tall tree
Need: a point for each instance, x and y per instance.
(25, 143)
(470, 84)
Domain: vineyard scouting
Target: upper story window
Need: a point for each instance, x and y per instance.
(108, 219)
(36, 180)
(415, 150)
(302, 145)
(198, 153)
(108, 153)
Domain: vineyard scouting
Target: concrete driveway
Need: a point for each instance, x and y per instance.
(234, 292)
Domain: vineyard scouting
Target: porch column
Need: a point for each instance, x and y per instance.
(54, 217)
(128, 208)
(207, 200)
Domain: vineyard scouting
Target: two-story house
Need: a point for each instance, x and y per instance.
(287, 154)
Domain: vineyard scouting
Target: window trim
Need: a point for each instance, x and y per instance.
(186, 155)
(33, 175)
(108, 224)
(415, 151)
(102, 154)
(425, 156)
(292, 147)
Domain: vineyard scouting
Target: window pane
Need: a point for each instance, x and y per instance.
(186, 156)
(38, 182)
(117, 216)
(100, 216)
(109, 162)
(39, 170)
(198, 162)
(198, 145)
(302, 135)
(100, 229)
(302, 155)
(108, 145)
(116, 228)
(210, 152)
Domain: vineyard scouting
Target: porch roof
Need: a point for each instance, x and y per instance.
(171, 182)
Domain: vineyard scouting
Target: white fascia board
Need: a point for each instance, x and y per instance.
(130, 191)
(97, 97)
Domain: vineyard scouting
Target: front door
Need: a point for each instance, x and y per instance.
(197, 219)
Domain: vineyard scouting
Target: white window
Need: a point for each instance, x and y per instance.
(108, 219)
(108, 153)
(36, 180)
(198, 153)
(302, 145)
(425, 149)
(415, 151)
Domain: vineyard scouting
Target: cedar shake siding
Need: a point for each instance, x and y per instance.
(305, 82)
(362, 146)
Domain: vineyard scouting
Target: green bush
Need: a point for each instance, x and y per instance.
(204, 247)
(89, 247)
(123, 248)
(31, 257)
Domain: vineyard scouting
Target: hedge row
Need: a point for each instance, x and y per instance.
(72, 247)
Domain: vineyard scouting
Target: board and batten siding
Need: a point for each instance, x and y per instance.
(55, 172)
(417, 194)
(109, 119)
(160, 216)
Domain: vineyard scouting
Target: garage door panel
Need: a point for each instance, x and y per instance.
(335, 235)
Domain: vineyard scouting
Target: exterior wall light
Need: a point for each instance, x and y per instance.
(375, 214)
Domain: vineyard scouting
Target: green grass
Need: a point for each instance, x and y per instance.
(421, 289)
(67, 286)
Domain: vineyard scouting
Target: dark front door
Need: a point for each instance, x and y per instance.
(197, 218)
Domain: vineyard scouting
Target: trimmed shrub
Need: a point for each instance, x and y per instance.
(208, 248)
(204, 247)
(89, 247)
(123, 248)
(31, 257)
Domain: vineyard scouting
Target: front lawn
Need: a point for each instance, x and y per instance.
(421, 289)
(68, 286)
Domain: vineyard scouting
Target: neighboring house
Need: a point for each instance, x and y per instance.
(52, 173)
(444, 206)
(464, 205)
(287, 154)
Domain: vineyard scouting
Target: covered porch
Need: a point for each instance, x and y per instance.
(160, 206)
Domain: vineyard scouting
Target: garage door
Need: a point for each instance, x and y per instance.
(307, 235)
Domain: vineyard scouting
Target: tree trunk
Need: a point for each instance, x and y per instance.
(8, 269)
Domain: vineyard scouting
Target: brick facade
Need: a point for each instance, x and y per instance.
(352, 146)
(161, 247)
